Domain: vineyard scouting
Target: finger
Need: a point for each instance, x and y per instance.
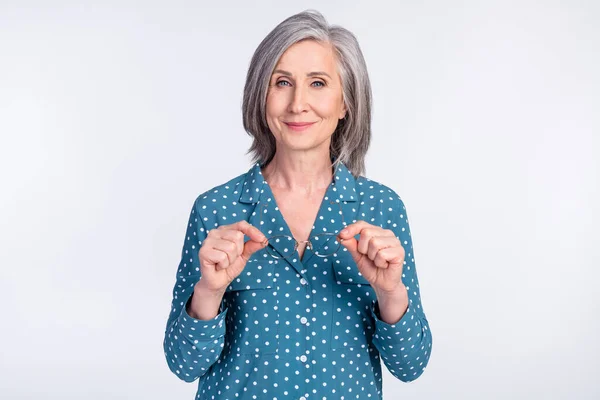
(351, 245)
(214, 258)
(251, 231)
(389, 258)
(353, 229)
(229, 248)
(365, 238)
(380, 261)
(380, 242)
(251, 247)
(235, 236)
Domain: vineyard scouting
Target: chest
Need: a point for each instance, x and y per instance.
(299, 213)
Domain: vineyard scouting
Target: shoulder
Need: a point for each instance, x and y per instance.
(377, 194)
(220, 196)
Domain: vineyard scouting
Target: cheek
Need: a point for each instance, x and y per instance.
(328, 107)
(276, 104)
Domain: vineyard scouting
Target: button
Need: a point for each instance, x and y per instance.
(303, 358)
(303, 320)
(302, 398)
(303, 281)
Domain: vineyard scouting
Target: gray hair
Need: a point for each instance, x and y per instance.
(350, 140)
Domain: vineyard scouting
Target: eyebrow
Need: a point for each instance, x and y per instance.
(310, 74)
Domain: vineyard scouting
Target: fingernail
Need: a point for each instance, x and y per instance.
(344, 231)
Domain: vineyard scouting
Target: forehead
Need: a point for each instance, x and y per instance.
(308, 56)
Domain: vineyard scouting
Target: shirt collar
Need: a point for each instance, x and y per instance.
(343, 185)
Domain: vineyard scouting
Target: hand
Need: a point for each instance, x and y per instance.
(378, 254)
(223, 254)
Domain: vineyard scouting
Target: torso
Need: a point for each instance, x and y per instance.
(299, 212)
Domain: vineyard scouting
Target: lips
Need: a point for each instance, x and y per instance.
(299, 126)
(299, 123)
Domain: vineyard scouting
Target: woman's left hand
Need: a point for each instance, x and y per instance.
(378, 255)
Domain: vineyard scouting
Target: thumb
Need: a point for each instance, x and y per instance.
(250, 247)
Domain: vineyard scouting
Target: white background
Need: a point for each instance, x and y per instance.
(115, 115)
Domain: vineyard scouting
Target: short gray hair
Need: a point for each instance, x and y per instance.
(351, 138)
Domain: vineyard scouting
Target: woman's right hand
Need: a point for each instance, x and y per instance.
(223, 254)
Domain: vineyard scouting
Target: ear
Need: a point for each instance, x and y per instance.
(343, 112)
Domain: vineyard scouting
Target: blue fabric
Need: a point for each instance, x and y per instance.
(290, 328)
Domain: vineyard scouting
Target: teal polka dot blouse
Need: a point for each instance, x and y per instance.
(289, 328)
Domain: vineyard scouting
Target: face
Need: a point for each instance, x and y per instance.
(304, 101)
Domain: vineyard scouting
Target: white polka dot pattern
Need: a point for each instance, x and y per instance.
(291, 328)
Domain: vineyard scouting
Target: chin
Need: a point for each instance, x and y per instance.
(303, 143)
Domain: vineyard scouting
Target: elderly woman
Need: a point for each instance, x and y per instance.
(297, 276)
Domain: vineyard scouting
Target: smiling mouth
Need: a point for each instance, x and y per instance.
(298, 126)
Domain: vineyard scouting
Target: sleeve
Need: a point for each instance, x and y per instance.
(405, 347)
(191, 346)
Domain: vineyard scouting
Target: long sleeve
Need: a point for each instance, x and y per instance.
(405, 347)
(191, 346)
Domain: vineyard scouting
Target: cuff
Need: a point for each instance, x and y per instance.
(405, 330)
(197, 330)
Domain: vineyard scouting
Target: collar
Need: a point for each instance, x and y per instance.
(343, 185)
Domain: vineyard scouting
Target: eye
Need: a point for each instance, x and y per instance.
(282, 81)
(320, 84)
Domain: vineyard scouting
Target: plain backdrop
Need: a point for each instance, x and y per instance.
(116, 115)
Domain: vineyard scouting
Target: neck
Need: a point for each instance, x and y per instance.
(305, 173)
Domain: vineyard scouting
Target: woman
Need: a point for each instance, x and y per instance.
(297, 276)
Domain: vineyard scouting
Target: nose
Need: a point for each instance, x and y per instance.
(298, 102)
